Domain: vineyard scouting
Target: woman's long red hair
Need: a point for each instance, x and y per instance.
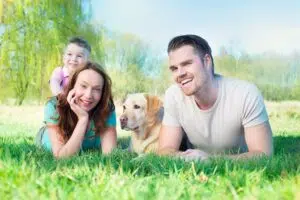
(67, 118)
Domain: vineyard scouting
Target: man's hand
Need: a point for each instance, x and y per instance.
(193, 154)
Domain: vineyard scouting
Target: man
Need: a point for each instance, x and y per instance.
(217, 113)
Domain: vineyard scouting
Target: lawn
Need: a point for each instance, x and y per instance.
(27, 172)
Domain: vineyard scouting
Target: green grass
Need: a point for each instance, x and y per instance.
(27, 172)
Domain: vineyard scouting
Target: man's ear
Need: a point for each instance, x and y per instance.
(207, 62)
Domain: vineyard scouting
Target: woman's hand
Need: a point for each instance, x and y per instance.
(73, 101)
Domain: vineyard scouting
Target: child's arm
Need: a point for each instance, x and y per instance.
(55, 81)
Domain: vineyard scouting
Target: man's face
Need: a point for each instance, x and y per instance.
(189, 71)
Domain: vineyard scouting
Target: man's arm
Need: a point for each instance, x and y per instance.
(169, 140)
(259, 141)
(257, 130)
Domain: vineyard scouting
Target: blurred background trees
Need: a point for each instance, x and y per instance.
(33, 34)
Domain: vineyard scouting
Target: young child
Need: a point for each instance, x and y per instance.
(75, 56)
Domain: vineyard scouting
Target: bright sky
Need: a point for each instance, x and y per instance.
(251, 25)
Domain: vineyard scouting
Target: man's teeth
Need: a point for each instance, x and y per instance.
(185, 81)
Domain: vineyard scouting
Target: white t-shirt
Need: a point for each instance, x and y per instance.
(239, 104)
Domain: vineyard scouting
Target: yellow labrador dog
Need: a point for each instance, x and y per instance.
(142, 114)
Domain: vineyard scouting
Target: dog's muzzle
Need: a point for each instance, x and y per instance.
(123, 121)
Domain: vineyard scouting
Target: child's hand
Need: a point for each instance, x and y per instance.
(73, 101)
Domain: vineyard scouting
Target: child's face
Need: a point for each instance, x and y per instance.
(75, 57)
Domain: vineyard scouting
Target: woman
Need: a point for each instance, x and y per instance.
(77, 118)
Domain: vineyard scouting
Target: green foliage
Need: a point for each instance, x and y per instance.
(29, 172)
(35, 34)
(132, 66)
(125, 50)
(134, 80)
(128, 82)
(277, 76)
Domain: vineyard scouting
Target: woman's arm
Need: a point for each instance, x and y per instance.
(72, 146)
(108, 140)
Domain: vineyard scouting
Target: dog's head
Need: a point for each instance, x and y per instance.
(140, 110)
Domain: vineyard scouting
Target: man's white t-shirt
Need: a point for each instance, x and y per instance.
(239, 104)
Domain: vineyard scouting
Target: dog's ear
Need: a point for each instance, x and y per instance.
(153, 103)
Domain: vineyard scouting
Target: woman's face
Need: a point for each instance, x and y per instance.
(88, 89)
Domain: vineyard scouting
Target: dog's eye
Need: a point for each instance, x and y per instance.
(137, 107)
(124, 107)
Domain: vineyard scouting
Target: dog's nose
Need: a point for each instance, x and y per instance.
(123, 120)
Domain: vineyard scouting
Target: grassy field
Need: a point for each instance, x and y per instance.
(27, 172)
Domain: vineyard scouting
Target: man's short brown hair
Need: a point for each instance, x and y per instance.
(199, 44)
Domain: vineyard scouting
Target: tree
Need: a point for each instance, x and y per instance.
(35, 33)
